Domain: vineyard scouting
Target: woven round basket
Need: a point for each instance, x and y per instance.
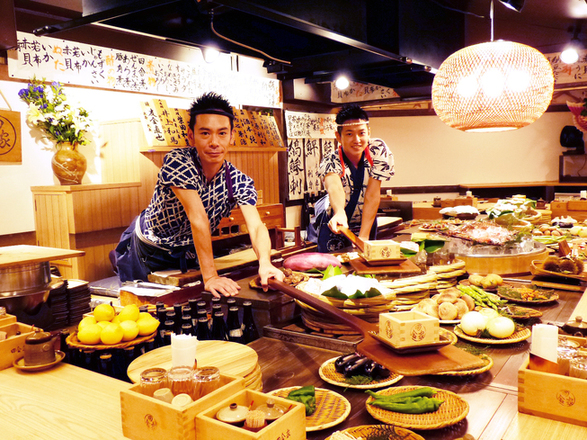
(74, 342)
(329, 374)
(331, 408)
(453, 410)
(519, 336)
(488, 364)
(389, 432)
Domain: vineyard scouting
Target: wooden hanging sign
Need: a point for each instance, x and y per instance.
(10, 137)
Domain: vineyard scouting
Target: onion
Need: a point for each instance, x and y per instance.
(501, 327)
(473, 323)
(489, 313)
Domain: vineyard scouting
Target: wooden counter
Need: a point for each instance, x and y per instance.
(68, 402)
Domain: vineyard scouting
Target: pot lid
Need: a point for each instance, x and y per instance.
(577, 323)
(38, 337)
(233, 413)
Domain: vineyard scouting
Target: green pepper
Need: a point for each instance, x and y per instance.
(305, 395)
(417, 392)
(415, 405)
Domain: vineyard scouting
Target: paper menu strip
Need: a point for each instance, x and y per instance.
(545, 341)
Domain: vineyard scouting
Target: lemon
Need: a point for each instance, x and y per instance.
(147, 325)
(129, 313)
(104, 324)
(115, 320)
(112, 334)
(90, 334)
(87, 320)
(130, 330)
(144, 315)
(104, 312)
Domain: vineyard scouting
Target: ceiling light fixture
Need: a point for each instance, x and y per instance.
(516, 5)
(342, 82)
(495, 86)
(211, 54)
(570, 55)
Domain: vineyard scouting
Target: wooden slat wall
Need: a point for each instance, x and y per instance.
(262, 167)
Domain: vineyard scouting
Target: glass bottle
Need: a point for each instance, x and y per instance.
(230, 302)
(235, 331)
(187, 329)
(250, 332)
(202, 329)
(201, 305)
(219, 330)
(178, 308)
(105, 366)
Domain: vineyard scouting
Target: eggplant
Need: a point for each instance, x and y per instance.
(356, 368)
(342, 361)
(379, 372)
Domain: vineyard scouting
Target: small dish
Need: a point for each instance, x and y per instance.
(329, 374)
(443, 341)
(19, 363)
(518, 336)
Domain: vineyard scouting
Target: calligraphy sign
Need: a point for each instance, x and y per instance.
(309, 125)
(10, 140)
(568, 73)
(89, 65)
(357, 92)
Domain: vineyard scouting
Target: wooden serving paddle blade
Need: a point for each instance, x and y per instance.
(352, 237)
(447, 358)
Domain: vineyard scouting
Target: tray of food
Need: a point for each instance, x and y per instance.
(382, 432)
(441, 409)
(518, 336)
(356, 371)
(527, 294)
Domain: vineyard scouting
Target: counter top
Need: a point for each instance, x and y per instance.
(67, 402)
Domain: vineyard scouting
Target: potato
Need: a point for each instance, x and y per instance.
(447, 311)
(462, 307)
(495, 278)
(470, 301)
(476, 279)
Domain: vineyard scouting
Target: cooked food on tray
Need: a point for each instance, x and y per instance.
(528, 293)
(482, 232)
(563, 265)
(514, 211)
(461, 211)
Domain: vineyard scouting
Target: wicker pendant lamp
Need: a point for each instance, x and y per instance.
(494, 86)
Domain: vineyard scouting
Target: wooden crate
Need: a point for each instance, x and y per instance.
(7, 319)
(12, 348)
(576, 209)
(147, 418)
(459, 201)
(552, 396)
(290, 426)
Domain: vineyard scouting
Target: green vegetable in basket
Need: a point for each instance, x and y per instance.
(331, 271)
(412, 405)
(305, 395)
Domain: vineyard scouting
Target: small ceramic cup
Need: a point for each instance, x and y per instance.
(163, 394)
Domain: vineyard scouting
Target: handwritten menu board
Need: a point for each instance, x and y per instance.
(358, 92)
(309, 125)
(89, 65)
(568, 73)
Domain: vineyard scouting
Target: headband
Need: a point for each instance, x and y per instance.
(348, 124)
(213, 111)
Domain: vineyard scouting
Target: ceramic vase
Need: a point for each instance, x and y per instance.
(69, 165)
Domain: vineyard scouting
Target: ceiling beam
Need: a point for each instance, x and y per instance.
(283, 18)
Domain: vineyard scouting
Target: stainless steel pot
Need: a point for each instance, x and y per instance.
(24, 287)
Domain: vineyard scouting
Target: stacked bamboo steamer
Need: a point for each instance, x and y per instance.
(364, 308)
(448, 274)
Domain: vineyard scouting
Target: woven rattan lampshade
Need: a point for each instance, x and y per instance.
(493, 86)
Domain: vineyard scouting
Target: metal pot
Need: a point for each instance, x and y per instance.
(24, 287)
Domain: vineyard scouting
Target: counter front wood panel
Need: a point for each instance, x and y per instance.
(89, 218)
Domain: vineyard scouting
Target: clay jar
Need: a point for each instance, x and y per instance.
(39, 349)
(68, 164)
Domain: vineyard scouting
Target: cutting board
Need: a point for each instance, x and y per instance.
(25, 254)
(229, 357)
(405, 268)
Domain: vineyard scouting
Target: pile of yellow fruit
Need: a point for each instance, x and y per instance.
(109, 328)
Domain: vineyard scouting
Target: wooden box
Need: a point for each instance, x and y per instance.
(12, 348)
(381, 249)
(552, 396)
(7, 319)
(459, 201)
(147, 418)
(408, 329)
(290, 426)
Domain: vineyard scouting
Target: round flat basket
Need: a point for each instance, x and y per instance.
(329, 374)
(389, 432)
(331, 408)
(323, 327)
(453, 410)
(519, 336)
(488, 364)
(74, 342)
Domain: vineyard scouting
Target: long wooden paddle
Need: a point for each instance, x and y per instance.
(352, 237)
(447, 358)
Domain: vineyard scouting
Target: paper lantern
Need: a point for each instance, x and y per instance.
(495, 86)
